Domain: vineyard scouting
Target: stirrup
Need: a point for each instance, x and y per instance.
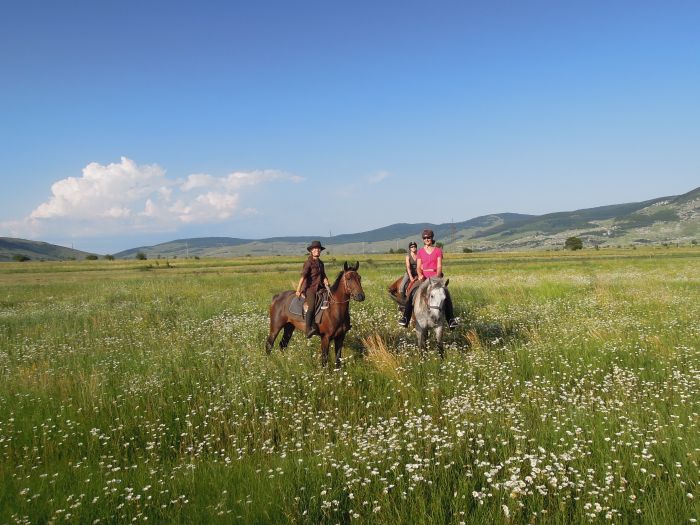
(403, 321)
(324, 305)
(454, 323)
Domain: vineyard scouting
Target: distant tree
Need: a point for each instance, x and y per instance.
(141, 256)
(401, 250)
(91, 257)
(20, 257)
(467, 250)
(109, 257)
(573, 243)
(440, 245)
(694, 242)
(391, 250)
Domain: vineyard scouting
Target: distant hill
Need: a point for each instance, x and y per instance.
(674, 219)
(36, 250)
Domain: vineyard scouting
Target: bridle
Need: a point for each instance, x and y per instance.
(433, 306)
(345, 285)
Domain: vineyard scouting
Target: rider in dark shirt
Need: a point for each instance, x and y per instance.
(313, 276)
(411, 268)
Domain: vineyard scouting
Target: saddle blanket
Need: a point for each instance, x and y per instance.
(297, 307)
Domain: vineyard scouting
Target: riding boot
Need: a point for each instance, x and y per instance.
(311, 328)
(407, 313)
(452, 322)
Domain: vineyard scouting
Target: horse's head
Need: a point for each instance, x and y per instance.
(436, 293)
(353, 282)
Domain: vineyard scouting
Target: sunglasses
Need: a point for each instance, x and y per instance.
(424, 238)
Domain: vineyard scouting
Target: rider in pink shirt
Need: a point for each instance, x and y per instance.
(429, 262)
(429, 259)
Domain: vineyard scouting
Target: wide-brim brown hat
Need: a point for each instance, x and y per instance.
(428, 233)
(314, 244)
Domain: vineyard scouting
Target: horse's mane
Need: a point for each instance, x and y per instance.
(334, 286)
(346, 268)
(428, 284)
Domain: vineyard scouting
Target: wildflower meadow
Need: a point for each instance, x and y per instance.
(140, 391)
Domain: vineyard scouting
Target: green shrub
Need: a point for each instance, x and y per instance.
(573, 243)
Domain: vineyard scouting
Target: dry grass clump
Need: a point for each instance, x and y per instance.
(379, 355)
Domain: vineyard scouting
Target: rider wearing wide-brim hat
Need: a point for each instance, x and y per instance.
(313, 276)
(429, 264)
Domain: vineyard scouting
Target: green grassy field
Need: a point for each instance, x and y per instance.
(141, 391)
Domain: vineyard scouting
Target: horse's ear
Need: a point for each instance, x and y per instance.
(357, 265)
(447, 282)
(345, 266)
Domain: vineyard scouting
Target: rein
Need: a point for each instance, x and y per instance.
(333, 300)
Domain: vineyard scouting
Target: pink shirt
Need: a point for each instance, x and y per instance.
(429, 261)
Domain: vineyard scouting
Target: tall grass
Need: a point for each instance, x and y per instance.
(569, 394)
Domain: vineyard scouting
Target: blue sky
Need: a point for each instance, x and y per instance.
(130, 123)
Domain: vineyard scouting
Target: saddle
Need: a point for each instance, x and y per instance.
(410, 288)
(298, 306)
(402, 299)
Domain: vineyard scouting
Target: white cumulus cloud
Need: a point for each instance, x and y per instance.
(101, 191)
(109, 198)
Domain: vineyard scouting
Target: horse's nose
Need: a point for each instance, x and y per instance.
(360, 297)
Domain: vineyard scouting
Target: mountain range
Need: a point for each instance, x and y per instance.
(674, 219)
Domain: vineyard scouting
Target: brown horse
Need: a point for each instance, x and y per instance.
(335, 321)
(396, 294)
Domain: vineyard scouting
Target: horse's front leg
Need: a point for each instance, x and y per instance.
(325, 346)
(420, 335)
(338, 349)
(438, 338)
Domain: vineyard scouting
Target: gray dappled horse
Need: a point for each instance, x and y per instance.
(429, 310)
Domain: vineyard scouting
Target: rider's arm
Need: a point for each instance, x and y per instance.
(408, 266)
(419, 268)
(301, 282)
(439, 266)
